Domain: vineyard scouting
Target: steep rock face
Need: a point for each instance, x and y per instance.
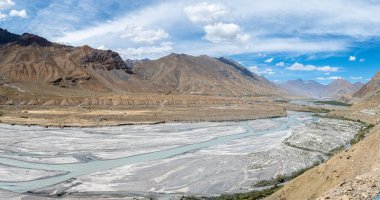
(370, 89)
(102, 59)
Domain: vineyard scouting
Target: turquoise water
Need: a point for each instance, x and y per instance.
(79, 169)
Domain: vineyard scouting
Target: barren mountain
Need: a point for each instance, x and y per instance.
(339, 89)
(180, 73)
(39, 66)
(300, 87)
(370, 89)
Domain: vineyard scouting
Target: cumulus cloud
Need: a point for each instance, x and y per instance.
(18, 13)
(256, 70)
(159, 50)
(352, 58)
(280, 64)
(269, 60)
(139, 35)
(6, 4)
(362, 60)
(225, 32)
(206, 12)
(301, 67)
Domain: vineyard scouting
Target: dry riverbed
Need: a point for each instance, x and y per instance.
(194, 159)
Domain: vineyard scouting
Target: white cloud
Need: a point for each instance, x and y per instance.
(140, 52)
(270, 60)
(268, 71)
(139, 35)
(280, 64)
(205, 12)
(225, 32)
(2, 16)
(256, 70)
(101, 47)
(6, 4)
(334, 77)
(301, 67)
(18, 13)
(329, 78)
(356, 77)
(362, 60)
(352, 58)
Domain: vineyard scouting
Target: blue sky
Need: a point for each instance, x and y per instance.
(280, 39)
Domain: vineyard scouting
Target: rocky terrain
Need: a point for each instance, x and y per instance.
(370, 89)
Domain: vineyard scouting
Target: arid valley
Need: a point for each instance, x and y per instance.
(104, 109)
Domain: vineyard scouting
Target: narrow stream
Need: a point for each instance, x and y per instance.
(79, 169)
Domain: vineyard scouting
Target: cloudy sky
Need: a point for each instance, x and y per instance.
(279, 39)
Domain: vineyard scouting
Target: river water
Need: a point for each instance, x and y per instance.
(247, 129)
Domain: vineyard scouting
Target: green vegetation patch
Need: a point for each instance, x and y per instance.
(334, 103)
(253, 195)
(361, 134)
(284, 178)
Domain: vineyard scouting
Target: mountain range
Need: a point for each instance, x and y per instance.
(36, 66)
(338, 89)
(39, 66)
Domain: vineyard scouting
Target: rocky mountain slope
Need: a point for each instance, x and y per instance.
(338, 89)
(38, 66)
(370, 89)
(180, 73)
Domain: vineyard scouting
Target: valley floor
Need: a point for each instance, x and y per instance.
(165, 160)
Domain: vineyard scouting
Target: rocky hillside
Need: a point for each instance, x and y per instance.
(38, 66)
(338, 89)
(370, 89)
(180, 73)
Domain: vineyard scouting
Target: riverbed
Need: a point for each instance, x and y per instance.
(164, 160)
